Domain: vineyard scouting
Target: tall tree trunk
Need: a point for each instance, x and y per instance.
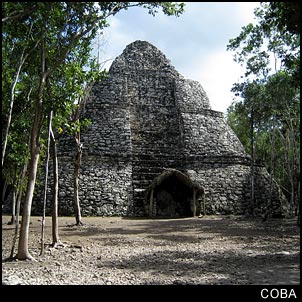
(253, 205)
(20, 192)
(11, 104)
(291, 168)
(23, 252)
(4, 188)
(14, 193)
(13, 218)
(271, 178)
(55, 225)
(76, 202)
(45, 185)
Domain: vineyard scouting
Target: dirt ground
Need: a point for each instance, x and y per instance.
(113, 250)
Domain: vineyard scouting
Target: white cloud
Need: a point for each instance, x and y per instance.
(217, 74)
(246, 11)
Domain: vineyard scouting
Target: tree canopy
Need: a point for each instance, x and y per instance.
(266, 113)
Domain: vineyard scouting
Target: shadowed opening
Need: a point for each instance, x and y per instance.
(172, 194)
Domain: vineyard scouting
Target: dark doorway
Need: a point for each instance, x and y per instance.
(172, 198)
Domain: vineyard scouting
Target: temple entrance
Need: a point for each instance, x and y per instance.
(172, 198)
(171, 194)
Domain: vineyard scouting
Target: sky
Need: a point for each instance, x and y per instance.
(195, 42)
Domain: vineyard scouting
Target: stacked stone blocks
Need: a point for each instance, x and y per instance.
(146, 118)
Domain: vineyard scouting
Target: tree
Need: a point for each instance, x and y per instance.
(45, 182)
(16, 92)
(15, 54)
(285, 16)
(276, 124)
(273, 37)
(15, 159)
(79, 89)
(58, 29)
(54, 216)
(274, 111)
(245, 118)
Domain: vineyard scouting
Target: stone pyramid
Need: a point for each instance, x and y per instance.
(156, 148)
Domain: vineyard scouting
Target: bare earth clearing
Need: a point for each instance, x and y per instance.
(114, 250)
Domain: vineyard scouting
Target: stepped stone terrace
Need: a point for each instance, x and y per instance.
(156, 148)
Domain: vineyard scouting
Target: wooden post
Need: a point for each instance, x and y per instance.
(194, 202)
(151, 203)
(204, 203)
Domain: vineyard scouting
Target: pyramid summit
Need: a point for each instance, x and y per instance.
(141, 55)
(156, 148)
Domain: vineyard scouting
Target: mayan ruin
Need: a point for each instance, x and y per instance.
(156, 148)
(152, 143)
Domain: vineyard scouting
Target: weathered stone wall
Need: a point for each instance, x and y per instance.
(228, 187)
(105, 187)
(207, 133)
(109, 133)
(146, 118)
(154, 126)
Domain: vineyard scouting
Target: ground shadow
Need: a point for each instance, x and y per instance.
(225, 268)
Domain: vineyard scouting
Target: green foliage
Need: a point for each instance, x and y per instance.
(168, 8)
(273, 37)
(275, 104)
(237, 117)
(267, 111)
(77, 126)
(63, 32)
(285, 16)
